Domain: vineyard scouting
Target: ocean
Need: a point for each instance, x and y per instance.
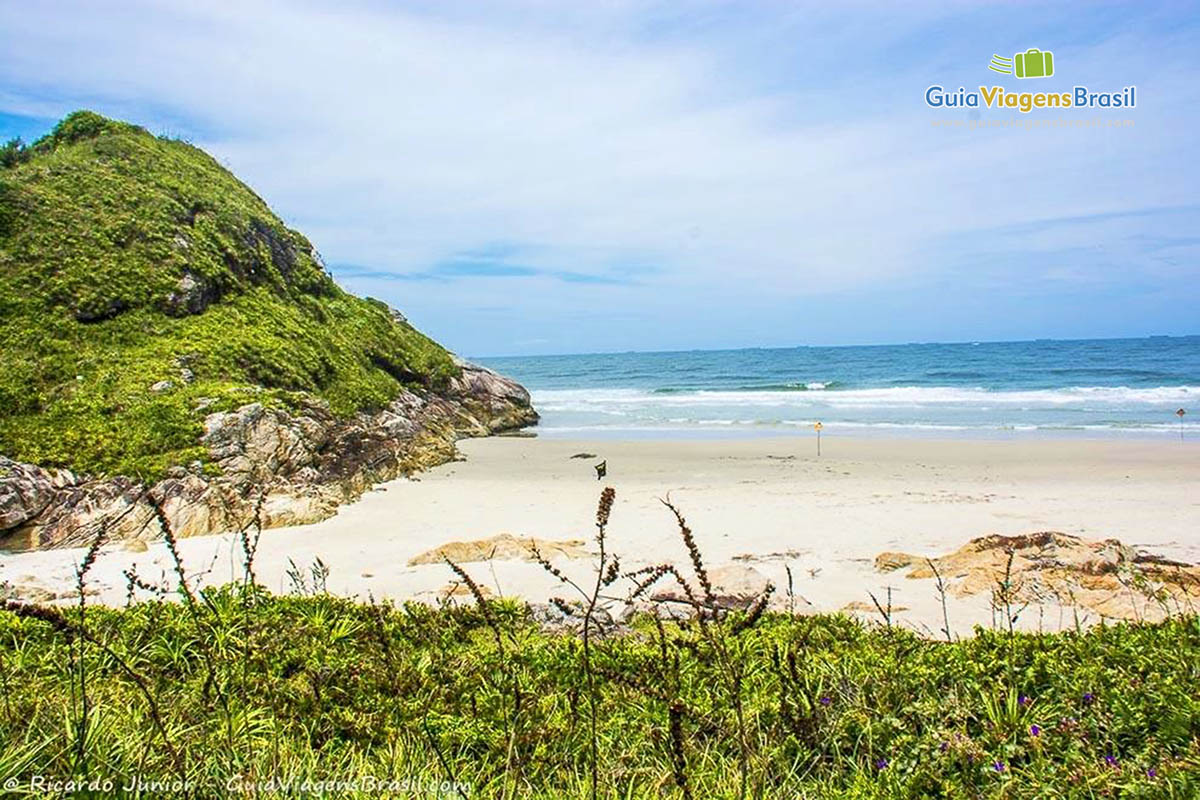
(1104, 387)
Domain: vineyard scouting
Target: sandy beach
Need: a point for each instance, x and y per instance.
(766, 503)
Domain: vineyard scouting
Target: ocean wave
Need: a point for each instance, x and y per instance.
(957, 375)
(1082, 397)
(767, 426)
(808, 386)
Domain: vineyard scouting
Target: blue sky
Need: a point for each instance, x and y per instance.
(533, 177)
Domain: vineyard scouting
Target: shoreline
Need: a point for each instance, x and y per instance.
(852, 431)
(765, 503)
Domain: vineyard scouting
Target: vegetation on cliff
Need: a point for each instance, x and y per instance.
(143, 286)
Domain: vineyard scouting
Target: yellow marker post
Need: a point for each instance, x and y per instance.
(817, 427)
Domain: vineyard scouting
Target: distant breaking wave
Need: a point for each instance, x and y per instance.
(811, 386)
(1104, 387)
(917, 408)
(830, 395)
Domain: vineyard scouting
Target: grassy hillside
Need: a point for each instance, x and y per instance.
(128, 259)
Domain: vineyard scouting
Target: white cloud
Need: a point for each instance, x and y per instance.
(623, 137)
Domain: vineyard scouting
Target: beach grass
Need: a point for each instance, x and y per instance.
(234, 691)
(253, 688)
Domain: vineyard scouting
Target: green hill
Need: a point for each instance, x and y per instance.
(143, 286)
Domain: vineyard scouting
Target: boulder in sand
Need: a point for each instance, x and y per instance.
(733, 585)
(502, 547)
(1107, 577)
(460, 592)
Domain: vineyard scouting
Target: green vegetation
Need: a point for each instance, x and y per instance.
(127, 260)
(234, 687)
(319, 688)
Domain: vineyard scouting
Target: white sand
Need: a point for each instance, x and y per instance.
(828, 517)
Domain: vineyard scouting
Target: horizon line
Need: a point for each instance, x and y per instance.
(971, 342)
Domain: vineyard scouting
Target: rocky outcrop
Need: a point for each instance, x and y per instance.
(287, 466)
(25, 491)
(1107, 577)
(734, 586)
(501, 547)
(191, 296)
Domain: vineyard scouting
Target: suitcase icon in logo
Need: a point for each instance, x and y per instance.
(1034, 63)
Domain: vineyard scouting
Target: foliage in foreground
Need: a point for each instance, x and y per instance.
(233, 690)
(129, 260)
(239, 686)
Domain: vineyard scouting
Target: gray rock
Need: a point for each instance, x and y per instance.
(64, 478)
(162, 386)
(734, 586)
(75, 515)
(99, 309)
(552, 619)
(192, 295)
(25, 491)
(503, 403)
(304, 462)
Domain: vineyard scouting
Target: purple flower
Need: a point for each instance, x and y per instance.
(945, 746)
(881, 764)
(1023, 700)
(826, 701)
(998, 766)
(1035, 730)
(1152, 773)
(1088, 698)
(1110, 760)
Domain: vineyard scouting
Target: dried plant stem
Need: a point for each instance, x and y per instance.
(886, 613)
(755, 612)
(689, 541)
(54, 618)
(81, 572)
(168, 533)
(442, 758)
(1006, 589)
(941, 589)
(791, 591)
(484, 607)
(480, 602)
(250, 546)
(678, 761)
(211, 679)
(603, 512)
(562, 577)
